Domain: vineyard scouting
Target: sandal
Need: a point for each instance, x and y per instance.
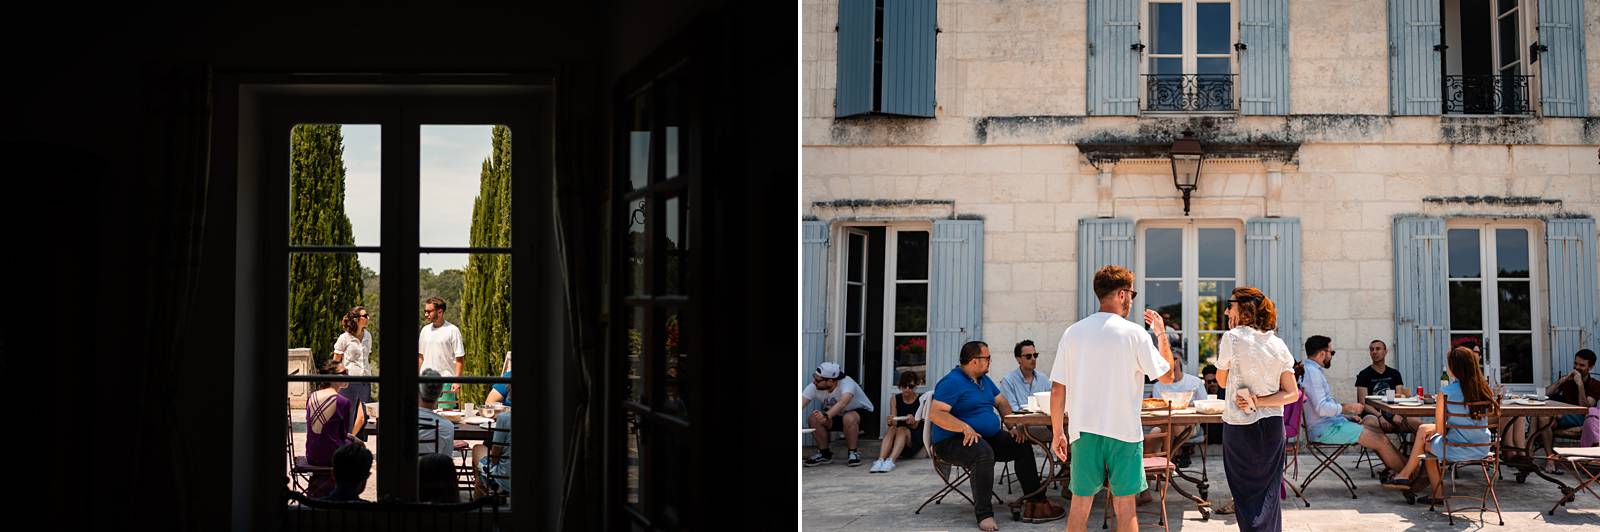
(1224, 509)
(1397, 483)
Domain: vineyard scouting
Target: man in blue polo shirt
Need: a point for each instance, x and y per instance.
(966, 431)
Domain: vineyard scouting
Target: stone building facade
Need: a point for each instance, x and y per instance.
(1311, 202)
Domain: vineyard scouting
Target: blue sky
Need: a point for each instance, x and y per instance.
(452, 157)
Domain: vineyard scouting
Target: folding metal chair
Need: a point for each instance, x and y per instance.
(1293, 437)
(1447, 468)
(1158, 464)
(300, 469)
(1327, 453)
(1585, 462)
(951, 474)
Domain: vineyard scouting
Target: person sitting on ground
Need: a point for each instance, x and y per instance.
(903, 438)
(1323, 412)
(352, 465)
(1467, 386)
(494, 461)
(436, 479)
(967, 432)
(435, 434)
(842, 403)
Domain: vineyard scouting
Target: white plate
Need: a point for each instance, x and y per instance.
(476, 420)
(900, 418)
(806, 431)
(1527, 402)
(1375, 397)
(1399, 402)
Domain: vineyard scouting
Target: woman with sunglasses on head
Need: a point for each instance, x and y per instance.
(902, 438)
(328, 424)
(352, 349)
(1257, 373)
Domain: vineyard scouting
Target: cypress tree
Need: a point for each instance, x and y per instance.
(322, 286)
(486, 288)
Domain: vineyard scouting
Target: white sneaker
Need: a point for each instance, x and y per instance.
(888, 465)
(877, 466)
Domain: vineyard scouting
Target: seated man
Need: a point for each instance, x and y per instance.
(842, 403)
(1377, 379)
(1186, 435)
(966, 431)
(1577, 387)
(352, 464)
(1025, 381)
(1323, 413)
(439, 436)
(494, 461)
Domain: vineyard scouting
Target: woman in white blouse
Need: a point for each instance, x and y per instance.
(1257, 372)
(352, 348)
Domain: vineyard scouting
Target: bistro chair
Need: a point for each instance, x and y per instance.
(1327, 454)
(1585, 463)
(1158, 464)
(1448, 468)
(951, 475)
(491, 444)
(1293, 440)
(300, 469)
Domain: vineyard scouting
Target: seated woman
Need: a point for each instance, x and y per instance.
(1468, 386)
(329, 417)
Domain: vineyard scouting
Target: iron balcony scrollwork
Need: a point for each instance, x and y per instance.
(1189, 92)
(1487, 94)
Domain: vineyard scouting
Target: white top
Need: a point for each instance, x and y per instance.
(1254, 360)
(355, 353)
(1103, 360)
(831, 397)
(440, 347)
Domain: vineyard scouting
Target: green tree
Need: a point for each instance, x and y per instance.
(369, 293)
(322, 286)
(486, 289)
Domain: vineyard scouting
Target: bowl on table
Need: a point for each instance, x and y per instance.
(1209, 406)
(1179, 400)
(455, 416)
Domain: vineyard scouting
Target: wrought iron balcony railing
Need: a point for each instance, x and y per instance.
(1189, 92)
(1487, 94)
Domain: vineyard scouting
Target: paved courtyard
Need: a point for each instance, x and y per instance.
(836, 497)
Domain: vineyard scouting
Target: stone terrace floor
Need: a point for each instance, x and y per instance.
(836, 497)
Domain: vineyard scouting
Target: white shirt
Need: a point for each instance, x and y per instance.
(355, 353)
(440, 347)
(831, 397)
(1103, 360)
(1254, 360)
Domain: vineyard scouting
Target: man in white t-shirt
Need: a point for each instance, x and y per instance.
(1100, 366)
(842, 401)
(439, 345)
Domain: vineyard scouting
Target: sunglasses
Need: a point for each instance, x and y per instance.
(1132, 293)
(363, 316)
(1029, 356)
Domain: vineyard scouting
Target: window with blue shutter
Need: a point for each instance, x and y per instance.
(1114, 54)
(1263, 57)
(886, 57)
(1414, 57)
(814, 295)
(1574, 319)
(955, 287)
(1562, 86)
(1272, 265)
(1421, 298)
(1101, 242)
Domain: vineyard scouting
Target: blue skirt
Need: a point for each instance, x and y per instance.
(1252, 458)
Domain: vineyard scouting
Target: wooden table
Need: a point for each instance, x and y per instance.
(1524, 466)
(464, 431)
(1057, 470)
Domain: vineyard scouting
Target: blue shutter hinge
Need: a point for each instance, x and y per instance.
(1239, 46)
(1137, 47)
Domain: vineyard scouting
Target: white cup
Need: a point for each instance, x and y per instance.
(1211, 396)
(470, 409)
(1388, 395)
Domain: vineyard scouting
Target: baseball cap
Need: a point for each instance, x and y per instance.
(829, 370)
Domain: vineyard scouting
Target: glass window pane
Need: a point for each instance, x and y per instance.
(1166, 66)
(1511, 252)
(1509, 45)
(1213, 66)
(911, 307)
(669, 100)
(633, 248)
(1516, 307)
(1166, 298)
(634, 388)
(852, 320)
(476, 293)
(334, 184)
(1464, 258)
(673, 364)
(1166, 28)
(1507, 5)
(639, 145)
(1213, 28)
(323, 288)
(1208, 352)
(466, 186)
(858, 257)
(1466, 305)
(674, 246)
(1216, 253)
(912, 255)
(911, 354)
(852, 347)
(1163, 252)
(1516, 358)
(1213, 303)
(317, 441)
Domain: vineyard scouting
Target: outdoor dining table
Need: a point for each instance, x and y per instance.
(464, 431)
(1525, 466)
(1057, 470)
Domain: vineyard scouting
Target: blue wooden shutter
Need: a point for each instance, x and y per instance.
(1562, 89)
(1272, 264)
(1264, 63)
(909, 28)
(1574, 321)
(814, 295)
(1414, 77)
(1421, 299)
(955, 292)
(1113, 63)
(854, 90)
(1101, 242)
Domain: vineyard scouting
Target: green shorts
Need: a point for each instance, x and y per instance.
(1343, 432)
(1095, 457)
